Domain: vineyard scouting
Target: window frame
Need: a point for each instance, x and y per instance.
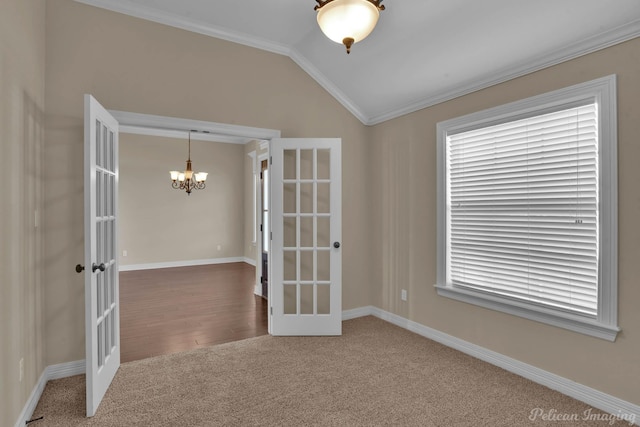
(603, 91)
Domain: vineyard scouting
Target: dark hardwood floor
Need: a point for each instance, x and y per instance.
(176, 309)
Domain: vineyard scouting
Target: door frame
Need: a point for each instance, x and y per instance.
(148, 124)
(259, 218)
(154, 125)
(164, 126)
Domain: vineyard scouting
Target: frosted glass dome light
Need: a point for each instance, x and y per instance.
(348, 21)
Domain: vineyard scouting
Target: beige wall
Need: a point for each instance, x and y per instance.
(159, 224)
(134, 65)
(404, 209)
(249, 247)
(22, 78)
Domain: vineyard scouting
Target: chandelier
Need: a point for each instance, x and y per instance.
(348, 21)
(188, 180)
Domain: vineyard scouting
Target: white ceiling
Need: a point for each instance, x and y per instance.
(422, 52)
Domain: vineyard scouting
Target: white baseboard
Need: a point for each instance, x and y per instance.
(32, 402)
(622, 409)
(189, 263)
(64, 370)
(357, 312)
(605, 402)
(52, 372)
(249, 261)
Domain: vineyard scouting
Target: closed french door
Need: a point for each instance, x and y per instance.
(305, 293)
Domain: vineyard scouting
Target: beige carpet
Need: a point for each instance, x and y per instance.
(376, 374)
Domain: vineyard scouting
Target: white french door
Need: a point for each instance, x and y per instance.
(102, 311)
(305, 268)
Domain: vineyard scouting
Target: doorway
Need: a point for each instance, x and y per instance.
(264, 227)
(195, 302)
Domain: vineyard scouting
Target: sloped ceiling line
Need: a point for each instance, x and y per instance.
(183, 23)
(601, 41)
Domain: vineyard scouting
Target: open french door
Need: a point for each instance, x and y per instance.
(102, 311)
(305, 292)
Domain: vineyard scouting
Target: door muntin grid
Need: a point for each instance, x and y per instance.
(306, 232)
(105, 231)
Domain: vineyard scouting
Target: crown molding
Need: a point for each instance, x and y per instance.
(598, 42)
(327, 85)
(592, 44)
(181, 22)
(172, 20)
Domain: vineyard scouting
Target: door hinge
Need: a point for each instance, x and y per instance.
(260, 227)
(270, 160)
(271, 235)
(271, 311)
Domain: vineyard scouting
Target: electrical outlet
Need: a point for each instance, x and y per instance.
(124, 253)
(403, 295)
(219, 247)
(21, 369)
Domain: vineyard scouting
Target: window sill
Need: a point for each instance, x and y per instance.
(539, 314)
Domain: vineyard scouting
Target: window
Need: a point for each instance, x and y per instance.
(527, 208)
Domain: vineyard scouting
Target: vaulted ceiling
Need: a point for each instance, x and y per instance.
(422, 52)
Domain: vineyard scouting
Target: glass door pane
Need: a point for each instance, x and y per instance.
(305, 219)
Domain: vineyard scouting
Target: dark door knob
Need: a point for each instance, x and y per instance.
(79, 268)
(336, 245)
(100, 267)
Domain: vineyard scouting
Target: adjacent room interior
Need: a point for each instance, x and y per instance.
(180, 290)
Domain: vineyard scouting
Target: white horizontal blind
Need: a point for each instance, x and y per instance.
(523, 209)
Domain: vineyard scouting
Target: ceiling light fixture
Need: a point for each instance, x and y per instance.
(348, 21)
(188, 180)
